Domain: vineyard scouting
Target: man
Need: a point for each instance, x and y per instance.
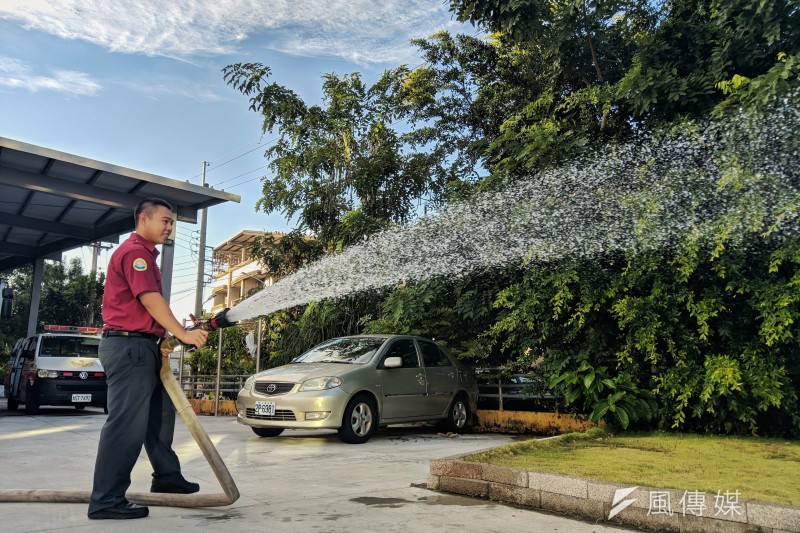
(139, 410)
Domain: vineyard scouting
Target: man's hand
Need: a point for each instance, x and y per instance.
(195, 337)
(158, 308)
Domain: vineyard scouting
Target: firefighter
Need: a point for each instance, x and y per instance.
(140, 412)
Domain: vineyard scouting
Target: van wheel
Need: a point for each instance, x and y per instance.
(13, 403)
(31, 405)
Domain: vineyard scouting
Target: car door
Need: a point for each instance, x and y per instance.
(16, 368)
(24, 364)
(404, 388)
(442, 377)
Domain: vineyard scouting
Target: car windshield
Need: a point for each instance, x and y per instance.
(345, 350)
(69, 347)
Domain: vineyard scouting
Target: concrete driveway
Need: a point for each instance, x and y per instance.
(301, 481)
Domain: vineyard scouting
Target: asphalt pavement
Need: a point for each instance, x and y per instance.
(302, 481)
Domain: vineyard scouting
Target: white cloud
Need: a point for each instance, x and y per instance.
(155, 90)
(368, 31)
(14, 73)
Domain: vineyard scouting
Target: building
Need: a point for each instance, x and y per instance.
(236, 272)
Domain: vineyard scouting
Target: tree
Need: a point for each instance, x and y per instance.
(572, 53)
(338, 157)
(283, 255)
(569, 76)
(69, 297)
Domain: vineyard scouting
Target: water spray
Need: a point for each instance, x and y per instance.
(649, 194)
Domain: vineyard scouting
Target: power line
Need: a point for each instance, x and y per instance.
(240, 175)
(244, 182)
(232, 150)
(240, 155)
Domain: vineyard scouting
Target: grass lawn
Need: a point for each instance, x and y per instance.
(759, 468)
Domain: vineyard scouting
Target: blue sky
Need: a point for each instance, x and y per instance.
(138, 83)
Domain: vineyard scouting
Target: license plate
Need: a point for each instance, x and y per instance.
(265, 408)
(81, 398)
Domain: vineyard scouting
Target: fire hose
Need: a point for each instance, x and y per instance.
(230, 493)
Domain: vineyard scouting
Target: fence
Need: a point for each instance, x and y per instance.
(502, 390)
(497, 389)
(204, 387)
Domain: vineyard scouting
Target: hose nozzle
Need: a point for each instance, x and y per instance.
(218, 321)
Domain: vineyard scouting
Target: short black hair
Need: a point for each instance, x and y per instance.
(147, 205)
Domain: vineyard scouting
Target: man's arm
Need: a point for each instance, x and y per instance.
(157, 306)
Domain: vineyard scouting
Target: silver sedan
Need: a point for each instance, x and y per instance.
(355, 384)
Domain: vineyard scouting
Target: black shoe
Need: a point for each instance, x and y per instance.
(180, 486)
(120, 512)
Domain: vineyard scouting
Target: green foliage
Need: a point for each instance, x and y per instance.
(236, 359)
(285, 254)
(699, 335)
(338, 157)
(448, 311)
(600, 71)
(606, 395)
(291, 332)
(69, 297)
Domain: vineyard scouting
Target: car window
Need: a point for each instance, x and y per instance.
(29, 348)
(343, 350)
(404, 348)
(69, 347)
(432, 355)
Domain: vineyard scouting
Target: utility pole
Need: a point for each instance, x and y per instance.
(201, 266)
(96, 247)
(258, 347)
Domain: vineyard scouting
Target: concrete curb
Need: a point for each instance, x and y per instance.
(592, 500)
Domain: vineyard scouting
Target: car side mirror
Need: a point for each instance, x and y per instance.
(393, 362)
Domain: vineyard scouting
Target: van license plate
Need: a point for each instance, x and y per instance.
(77, 398)
(265, 408)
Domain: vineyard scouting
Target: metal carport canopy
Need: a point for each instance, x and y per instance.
(51, 201)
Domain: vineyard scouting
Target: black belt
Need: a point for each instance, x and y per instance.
(118, 333)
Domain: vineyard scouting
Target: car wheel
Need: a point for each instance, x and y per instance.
(13, 403)
(267, 432)
(458, 415)
(31, 405)
(360, 420)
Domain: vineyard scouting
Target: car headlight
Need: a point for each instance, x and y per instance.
(42, 373)
(320, 383)
(249, 383)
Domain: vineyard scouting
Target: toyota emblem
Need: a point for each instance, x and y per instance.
(83, 375)
(271, 388)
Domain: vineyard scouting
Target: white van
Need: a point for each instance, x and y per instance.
(59, 367)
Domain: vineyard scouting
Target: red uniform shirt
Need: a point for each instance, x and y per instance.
(132, 271)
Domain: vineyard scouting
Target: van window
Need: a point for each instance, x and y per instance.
(69, 347)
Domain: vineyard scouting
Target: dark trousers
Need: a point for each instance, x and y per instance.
(139, 413)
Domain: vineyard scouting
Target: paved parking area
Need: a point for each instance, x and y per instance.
(299, 482)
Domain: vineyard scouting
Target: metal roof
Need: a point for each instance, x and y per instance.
(51, 201)
(243, 239)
